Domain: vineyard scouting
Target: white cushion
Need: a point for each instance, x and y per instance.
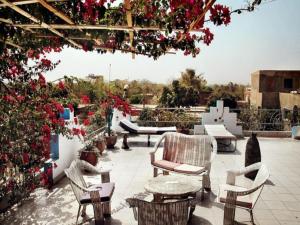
(185, 168)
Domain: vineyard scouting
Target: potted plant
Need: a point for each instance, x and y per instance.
(113, 102)
(100, 143)
(183, 123)
(90, 153)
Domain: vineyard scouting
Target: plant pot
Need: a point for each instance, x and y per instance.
(90, 157)
(5, 203)
(111, 141)
(100, 144)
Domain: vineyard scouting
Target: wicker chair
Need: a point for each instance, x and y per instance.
(236, 196)
(83, 192)
(193, 151)
(160, 213)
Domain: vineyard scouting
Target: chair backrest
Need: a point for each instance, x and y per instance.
(189, 149)
(150, 213)
(76, 179)
(260, 179)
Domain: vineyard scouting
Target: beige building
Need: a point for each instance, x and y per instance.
(275, 89)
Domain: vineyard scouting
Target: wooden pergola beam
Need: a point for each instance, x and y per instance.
(56, 12)
(95, 27)
(9, 42)
(129, 23)
(199, 18)
(42, 24)
(202, 15)
(27, 2)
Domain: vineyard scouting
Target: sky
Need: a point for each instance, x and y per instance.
(266, 39)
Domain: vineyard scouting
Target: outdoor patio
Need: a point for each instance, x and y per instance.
(278, 204)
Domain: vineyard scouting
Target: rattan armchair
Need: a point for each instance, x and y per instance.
(192, 151)
(89, 195)
(236, 196)
(160, 213)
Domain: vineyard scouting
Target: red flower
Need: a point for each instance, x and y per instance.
(32, 84)
(20, 98)
(85, 99)
(86, 122)
(46, 62)
(75, 120)
(76, 131)
(90, 113)
(25, 158)
(46, 129)
(61, 85)
(82, 132)
(208, 36)
(70, 106)
(42, 80)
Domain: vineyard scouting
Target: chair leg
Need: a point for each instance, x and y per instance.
(252, 218)
(155, 172)
(148, 142)
(165, 172)
(206, 183)
(78, 214)
(106, 209)
(83, 213)
(97, 205)
(229, 214)
(105, 177)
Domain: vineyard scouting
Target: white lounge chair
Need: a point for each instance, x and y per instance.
(236, 196)
(222, 135)
(135, 129)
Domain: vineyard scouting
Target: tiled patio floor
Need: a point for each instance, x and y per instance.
(279, 202)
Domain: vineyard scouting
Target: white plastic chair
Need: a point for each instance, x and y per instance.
(236, 196)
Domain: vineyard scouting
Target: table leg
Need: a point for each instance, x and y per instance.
(105, 177)
(125, 144)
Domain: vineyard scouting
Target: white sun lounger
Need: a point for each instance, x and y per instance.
(219, 132)
(135, 129)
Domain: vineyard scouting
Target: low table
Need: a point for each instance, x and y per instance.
(173, 186)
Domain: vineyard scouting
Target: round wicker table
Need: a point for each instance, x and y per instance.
(173, 186)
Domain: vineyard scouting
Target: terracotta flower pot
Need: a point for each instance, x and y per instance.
(111, 141)
(89, 156)
(101, 145)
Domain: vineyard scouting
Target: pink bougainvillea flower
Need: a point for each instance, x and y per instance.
(46, 62)
(25, 158)
(75, 120)
(70, 106)
(86, 122)
(90, 113)
(42, 80)
(82, 132)
(61, 85)
(85, 99)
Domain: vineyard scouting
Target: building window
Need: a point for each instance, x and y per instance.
(288, 83)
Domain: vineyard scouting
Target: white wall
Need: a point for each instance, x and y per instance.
(68, 151)
(117, 116)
